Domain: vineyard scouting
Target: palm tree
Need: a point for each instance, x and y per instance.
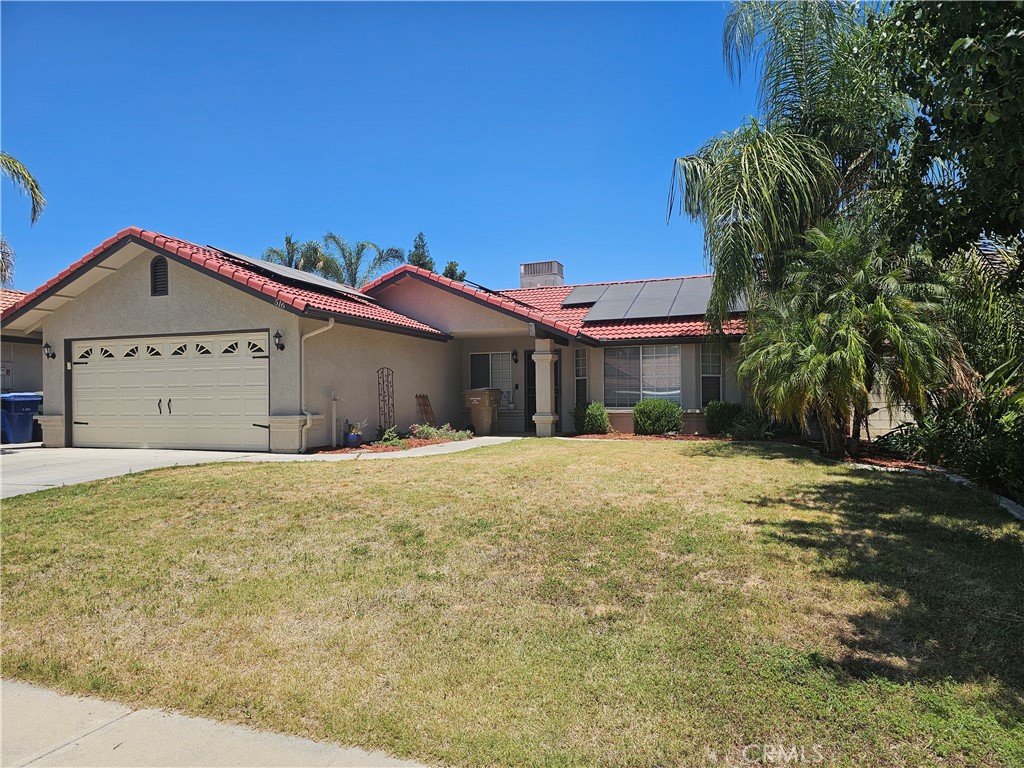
(307, 256)
(27, 184)
(812, 154)
(849, 318)
(358, 264)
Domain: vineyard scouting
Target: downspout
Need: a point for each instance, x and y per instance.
(302, 380)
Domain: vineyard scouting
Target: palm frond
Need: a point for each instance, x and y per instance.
(25, 182)
(754, 190)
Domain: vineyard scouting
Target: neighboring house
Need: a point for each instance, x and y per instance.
(158, 342)
(21, 357)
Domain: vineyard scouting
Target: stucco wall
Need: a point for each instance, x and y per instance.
(120, 305)
(446, 311)
(345, 360)
(26, 365)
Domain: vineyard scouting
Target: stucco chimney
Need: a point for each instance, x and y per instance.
(539, 273)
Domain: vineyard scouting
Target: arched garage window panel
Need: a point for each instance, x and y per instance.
(158, 276)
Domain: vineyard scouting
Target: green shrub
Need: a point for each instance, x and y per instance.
(591, 419)
(444, 432)
(751, 425)
(657, 417)
(982, 440)
(390, 436)
(719, 416)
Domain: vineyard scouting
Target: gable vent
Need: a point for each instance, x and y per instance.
(158, 276)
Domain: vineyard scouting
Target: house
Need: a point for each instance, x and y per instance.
(152, 341)
(21, 357)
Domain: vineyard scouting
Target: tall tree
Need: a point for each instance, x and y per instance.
(811, 153)
(358, 264)
(26, 184)
(850, 317)
(962, 64)
(419, 256)
(307, 256)
(452, 271)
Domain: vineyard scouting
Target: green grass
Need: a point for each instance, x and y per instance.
(539, 603)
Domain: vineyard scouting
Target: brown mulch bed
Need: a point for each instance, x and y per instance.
(412, 442)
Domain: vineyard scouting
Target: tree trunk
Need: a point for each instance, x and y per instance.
(858, 419)
(833, 435)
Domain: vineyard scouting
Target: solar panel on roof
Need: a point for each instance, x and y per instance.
(297, 275)
(614, 303)
(681, 297)
(622, 291)
(654, 300)
(608, 310)
(584, 294)
(692, 298)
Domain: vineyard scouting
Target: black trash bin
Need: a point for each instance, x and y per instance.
(19, 408)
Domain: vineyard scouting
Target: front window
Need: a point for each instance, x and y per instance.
(581, 374)
(710, 373)
(492, 369)
(632, 374)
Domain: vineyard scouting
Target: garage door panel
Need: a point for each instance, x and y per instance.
(131, 378)
(229, 406)
(124, 391)
(256, 407)
(113, 407)
(179, 378)
(204, 376)
(230, 376)
(255, 375)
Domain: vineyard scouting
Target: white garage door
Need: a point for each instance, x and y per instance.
(172, 392)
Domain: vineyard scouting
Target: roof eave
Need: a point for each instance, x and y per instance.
(365, 322)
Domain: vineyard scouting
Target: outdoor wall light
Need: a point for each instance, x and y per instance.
(515, 357)
(277, 342)
(48, 352)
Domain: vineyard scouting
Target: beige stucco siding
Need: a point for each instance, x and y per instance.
(446, 311)
(25, 362)
(346, 359)
(197, 302)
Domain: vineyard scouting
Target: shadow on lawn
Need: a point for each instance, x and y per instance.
(948, 562)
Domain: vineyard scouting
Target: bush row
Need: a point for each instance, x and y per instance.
(661, 417)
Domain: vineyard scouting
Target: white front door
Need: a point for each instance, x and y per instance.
(209, 391)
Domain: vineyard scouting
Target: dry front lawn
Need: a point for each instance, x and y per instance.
(541, 602)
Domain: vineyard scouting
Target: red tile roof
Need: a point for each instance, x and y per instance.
(9, 297)
(301, 298)
(496, 299)
(544, 306)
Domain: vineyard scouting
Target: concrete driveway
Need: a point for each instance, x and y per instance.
(28, 467)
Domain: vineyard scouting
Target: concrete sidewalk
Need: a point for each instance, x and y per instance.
(29, 467)
(43, 728)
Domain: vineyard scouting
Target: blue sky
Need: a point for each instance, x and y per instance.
(505, 132)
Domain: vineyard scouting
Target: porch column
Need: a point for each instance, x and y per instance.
(544, 358)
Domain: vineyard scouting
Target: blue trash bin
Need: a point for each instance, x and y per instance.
(19, 410)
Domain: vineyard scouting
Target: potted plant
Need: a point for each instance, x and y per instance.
(354, 438)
